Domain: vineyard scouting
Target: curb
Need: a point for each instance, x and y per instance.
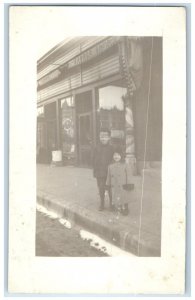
(126, 240)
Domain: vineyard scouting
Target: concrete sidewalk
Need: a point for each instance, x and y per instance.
(72, 193)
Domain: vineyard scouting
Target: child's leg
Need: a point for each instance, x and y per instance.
(110, 198)
(101, 182)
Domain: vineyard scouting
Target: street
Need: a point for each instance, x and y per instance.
(53, 239)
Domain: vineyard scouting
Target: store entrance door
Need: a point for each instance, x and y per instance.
(51, 136)
(51, 129)
(85, 139)
(84, 128)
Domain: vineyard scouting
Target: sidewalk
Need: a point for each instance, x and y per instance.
(72, 193)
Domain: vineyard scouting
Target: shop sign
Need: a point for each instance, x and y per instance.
(119, 134)
(51, 76)
(91, 53)
(80, 59)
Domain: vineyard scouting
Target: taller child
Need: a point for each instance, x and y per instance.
(102, 158)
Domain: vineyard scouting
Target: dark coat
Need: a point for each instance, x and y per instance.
(118, 175)
(102, 157)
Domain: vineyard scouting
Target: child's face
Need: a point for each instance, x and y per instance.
(116, 157)
(104, 137)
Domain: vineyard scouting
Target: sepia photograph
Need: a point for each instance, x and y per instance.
(99, 147)
(97, 150)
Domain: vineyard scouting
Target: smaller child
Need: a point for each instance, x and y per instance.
(102, 157)
(119, 179)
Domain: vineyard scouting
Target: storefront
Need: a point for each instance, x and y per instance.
(90, 83)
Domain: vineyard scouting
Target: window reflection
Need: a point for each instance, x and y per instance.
(67, 102)
(112, 111)
(40, 111)
(111, 97)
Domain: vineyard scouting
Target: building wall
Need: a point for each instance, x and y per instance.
(100, 69)
(78, 67)
(153, 90)
(64, 52)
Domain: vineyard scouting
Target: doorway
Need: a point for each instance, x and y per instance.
(84, 128)
(85, 139)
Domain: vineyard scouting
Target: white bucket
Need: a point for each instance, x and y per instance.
(57, 156)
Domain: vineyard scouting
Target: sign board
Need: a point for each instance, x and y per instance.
(82, 58)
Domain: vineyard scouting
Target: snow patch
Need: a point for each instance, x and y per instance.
(47, 212)
(102, 245)
(94, 240)
(65, 223)
(53, 215)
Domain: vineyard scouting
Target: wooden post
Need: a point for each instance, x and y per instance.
(76, 159)
(94, 117)
(58, 124)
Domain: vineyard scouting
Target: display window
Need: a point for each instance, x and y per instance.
(115, 114)
(67, 127)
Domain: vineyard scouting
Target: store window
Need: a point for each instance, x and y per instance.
(68, 128)
(40, 111)
(112, 112)
(115, 113)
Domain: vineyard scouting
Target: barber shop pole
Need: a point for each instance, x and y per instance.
(131, 71)
(129, 128)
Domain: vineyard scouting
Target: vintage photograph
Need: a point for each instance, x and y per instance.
(97, 150)
(99, 147)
